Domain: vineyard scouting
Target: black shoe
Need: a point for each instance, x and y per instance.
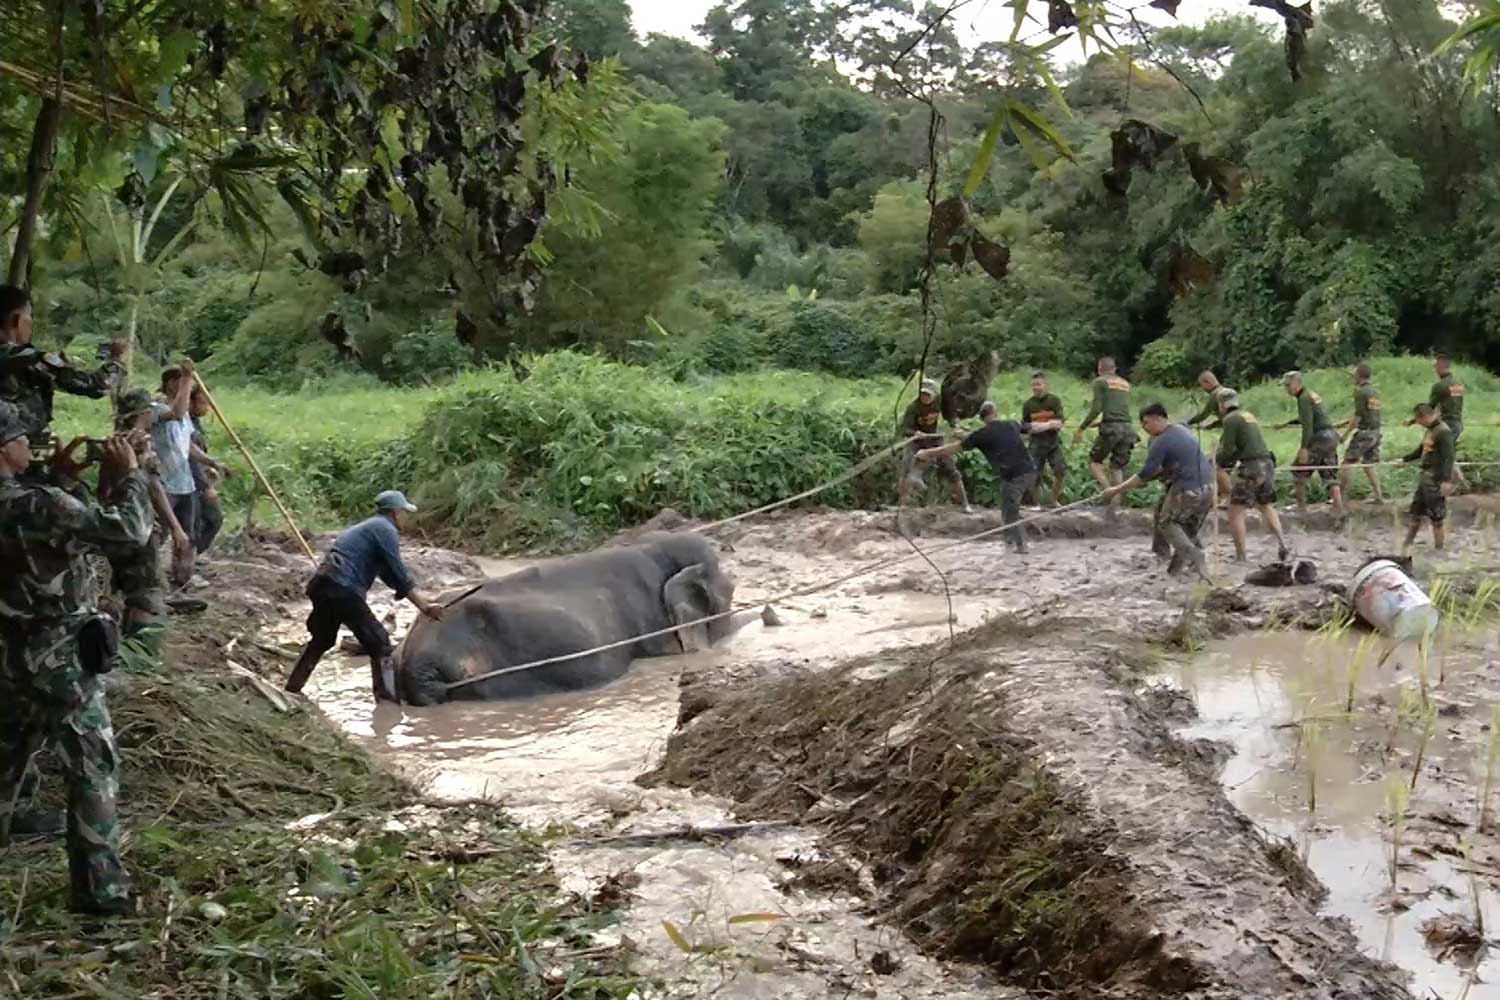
(301, 672)
(111, 907)
(38, 823)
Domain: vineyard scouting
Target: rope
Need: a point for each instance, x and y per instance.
(856, 470)
(775, 599)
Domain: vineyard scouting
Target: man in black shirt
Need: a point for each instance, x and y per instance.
(1001, 442)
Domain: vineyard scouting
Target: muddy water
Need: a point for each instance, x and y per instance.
(1249, 688)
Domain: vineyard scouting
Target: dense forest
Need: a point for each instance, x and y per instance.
(1221, 194)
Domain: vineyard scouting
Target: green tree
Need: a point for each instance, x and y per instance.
(656, 200)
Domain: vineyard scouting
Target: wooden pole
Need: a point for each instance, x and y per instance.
(254, 467)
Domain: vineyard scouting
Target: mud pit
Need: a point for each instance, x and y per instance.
(1159, 883)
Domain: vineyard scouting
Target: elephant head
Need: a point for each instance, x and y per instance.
(694, 593)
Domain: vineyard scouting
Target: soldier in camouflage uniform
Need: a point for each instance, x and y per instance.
(53, 649)
(1447, 398)
(1243, 451)
(1436, 453)
(1319, 450)
(1117, 437)
(1364, 447)
(135, 571)
(29, 377)
(919, 424)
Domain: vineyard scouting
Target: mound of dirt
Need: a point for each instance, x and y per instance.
(977, 851)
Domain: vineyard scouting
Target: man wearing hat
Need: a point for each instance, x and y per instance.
(1243, 451)
(370, 549)
(921, 420)
(29, 376)
(53, 650)
(1320, 443)
(1364, 447)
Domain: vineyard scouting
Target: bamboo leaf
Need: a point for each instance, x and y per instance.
(1039, 126)
(755, 918)
(676, 937)
(981, 166)
(1020, 9)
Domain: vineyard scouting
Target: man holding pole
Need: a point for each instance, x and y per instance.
(1117, 438)
(1364, 447)
(370, 549)
(1436, 453)
(1319, 451)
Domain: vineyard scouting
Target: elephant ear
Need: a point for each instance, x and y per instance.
(687, 598)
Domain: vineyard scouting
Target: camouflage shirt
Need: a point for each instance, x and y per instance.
(29, 377)
(44, 534)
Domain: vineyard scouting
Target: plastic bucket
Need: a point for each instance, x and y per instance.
(1387, 598)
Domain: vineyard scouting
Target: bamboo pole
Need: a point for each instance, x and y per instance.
(255, 467)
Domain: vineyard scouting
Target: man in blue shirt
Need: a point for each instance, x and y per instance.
(370, 549)
(1174, 456)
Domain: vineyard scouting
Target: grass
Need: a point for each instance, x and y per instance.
(272, 860)
(585, 446)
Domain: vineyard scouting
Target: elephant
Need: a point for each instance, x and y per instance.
(564, 606)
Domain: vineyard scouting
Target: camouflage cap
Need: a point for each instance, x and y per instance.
(131, 404)
(11, 426)
(929, 386)
(1290, 377)
(1227, 398)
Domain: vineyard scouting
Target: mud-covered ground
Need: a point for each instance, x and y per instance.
(989, 775)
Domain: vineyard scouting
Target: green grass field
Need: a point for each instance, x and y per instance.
(585, 446)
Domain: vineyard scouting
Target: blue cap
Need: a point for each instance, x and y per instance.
(394, 500)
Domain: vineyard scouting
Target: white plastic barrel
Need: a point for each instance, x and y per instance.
(1387, 598)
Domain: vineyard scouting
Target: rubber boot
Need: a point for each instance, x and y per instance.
(383, 679)
(302, 671)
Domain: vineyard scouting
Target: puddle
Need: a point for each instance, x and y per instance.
(1249, 688)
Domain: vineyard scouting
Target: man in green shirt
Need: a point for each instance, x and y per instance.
(1117, 437)
(920, 423)
(1364, 447)
(1242, 450)
(1042, 420)
(1436, 453)
(1447, 398)
(1319, 450)
(1213, 390)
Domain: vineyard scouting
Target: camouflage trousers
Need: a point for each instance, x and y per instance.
(1179, 518)
(47, 699)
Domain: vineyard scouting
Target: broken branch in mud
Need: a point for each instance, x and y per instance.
(690, 833)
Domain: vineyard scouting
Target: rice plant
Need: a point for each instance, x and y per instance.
(1356, 668)
(1311, 738)
(1397, 795)
(1408, 704)
(1482, 602)
(1428, 720)
(1492, 757)
(1476, 894)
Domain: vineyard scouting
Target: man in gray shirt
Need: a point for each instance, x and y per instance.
(1174, 456)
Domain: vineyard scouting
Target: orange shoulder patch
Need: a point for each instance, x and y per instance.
(1249, 417)
(1116, 382)
(1373, 403)
(1456, 389)
(1317, 400)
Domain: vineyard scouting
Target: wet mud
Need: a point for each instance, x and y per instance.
(1097, 830)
